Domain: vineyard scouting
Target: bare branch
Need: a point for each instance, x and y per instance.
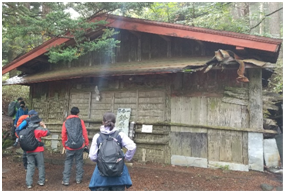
(264, 18)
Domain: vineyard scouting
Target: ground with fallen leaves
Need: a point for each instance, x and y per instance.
(145, 176)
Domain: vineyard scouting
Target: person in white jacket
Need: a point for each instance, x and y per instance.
(101, 183)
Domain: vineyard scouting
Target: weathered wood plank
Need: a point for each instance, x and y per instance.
(146, 141)
(235, 116)
(203, 115)
(185, 108)
(186, 147)
(235, 101)
(199, 145)
(255, 99)
(255, 140)
(212, 127)
(213, 145)
(245, 148)
(236, 147)
(235, 92)
(228, 146)
(223, 146)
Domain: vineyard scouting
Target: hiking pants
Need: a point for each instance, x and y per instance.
(32, 158)
(13, 128)
(78, 156)
(25, 160)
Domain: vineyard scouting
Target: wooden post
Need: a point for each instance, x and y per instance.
(149, 50)
(139, 49)
(138, 35)
(168, 40)
(255, 140)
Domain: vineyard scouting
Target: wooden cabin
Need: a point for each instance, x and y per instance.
(198, 118)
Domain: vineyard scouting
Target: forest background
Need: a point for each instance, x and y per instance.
(26, 25)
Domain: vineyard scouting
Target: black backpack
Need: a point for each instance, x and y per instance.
(74, 133)
(110, 158)
(28, 141)
(12, 108)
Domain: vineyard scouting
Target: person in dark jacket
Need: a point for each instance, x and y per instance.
(103, 183)
(73, 134)
(14, 117)
(23, 110)
(36, 155)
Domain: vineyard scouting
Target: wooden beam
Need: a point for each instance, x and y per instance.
(33, 54)
(255, 99)
(255, 140)
(239, 48)
(208, 127)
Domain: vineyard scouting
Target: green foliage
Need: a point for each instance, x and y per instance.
(225, 167)
(276, 83)
(10, 93)
(28, 25)
(216, 15)
(6, 142)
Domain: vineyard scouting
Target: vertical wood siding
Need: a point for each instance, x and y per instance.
(214, 110)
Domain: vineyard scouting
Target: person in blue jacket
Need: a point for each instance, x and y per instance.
(23, 110)
(103, 183)
(23, 125)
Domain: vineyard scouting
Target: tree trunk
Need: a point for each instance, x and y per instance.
(253, 12)
(274, 21)
(261, 26)
(46, 10)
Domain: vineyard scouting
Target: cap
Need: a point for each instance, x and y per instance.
(32, 112)
(35, 119)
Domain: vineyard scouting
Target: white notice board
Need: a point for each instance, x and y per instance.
(147, 128)
(123, 119)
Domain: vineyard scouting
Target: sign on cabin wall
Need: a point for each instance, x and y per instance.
(147, 128)
(123, 119)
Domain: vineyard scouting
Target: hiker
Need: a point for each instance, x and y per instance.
(22, 124)
(21, 111)
(12, 110)
(74, 140)
(37, 155)
(99, 180)
(20, 120)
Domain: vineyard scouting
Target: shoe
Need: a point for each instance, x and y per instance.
(29, 187)
(78, 181)
(65, 183)
(15, 144)
(41, 183)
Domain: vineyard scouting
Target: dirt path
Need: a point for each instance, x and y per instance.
(145, 177)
